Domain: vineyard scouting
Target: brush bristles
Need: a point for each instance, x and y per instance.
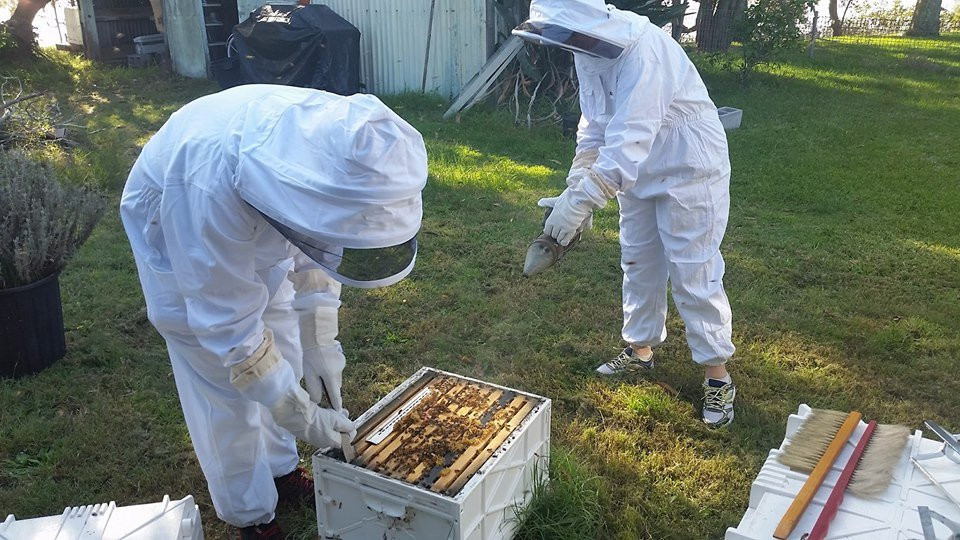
(809, 443)
(881, 456)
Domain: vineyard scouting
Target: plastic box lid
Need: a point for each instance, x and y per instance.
(891, 516)
(165, 520)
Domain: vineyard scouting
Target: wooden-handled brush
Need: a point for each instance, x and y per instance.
(868, 471)
(808, 445)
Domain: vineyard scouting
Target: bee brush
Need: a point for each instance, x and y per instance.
(868, 471)
(819, 440)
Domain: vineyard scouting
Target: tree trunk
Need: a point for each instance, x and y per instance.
(715, 20)
(20, 24)
(836, 23)
(676, 26)
(926, 19)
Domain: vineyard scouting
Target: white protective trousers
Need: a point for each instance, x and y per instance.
(221, 422)
(673, 232)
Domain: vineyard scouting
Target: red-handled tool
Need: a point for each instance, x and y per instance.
(819, 531)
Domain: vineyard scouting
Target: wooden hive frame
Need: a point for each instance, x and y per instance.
(439, 431)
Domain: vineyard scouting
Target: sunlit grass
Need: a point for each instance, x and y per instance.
(841, 252)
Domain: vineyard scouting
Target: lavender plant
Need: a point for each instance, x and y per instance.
(42, 222)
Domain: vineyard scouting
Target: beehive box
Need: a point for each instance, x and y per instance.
(442, 456)
(166, 520)
(891, 516)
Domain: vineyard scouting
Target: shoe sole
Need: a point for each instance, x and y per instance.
(629, 368)
(719, 425)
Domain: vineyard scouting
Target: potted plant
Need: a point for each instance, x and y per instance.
(42, 223)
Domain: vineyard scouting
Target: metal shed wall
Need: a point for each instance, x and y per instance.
(393, 41)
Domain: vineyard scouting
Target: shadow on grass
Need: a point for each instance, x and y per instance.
(841, 299)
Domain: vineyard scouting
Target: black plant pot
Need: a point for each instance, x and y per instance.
(568, 124)
(31, 327)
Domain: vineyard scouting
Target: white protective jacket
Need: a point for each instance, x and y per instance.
(631, 103)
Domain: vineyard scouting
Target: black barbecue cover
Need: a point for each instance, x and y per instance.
(308, 46)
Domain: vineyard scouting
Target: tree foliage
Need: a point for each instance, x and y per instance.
(769, 27)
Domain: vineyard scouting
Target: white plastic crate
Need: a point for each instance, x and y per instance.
(892, 516)
(354, 503)
(150, 44)
(166, 520)
(730, 117)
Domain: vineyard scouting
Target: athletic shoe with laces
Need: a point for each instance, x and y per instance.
(626, 361)
(295, 487)
(266, 531)
(718, 402)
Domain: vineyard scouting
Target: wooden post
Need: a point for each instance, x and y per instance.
(813, 35)
(88, 22)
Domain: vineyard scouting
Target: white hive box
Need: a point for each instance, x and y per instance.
(730, 117)
(464, 497)
(167, 520)
(892, 516)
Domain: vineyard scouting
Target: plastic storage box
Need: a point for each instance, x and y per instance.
(730, 117)
(355, 502)
(892, 516)
(150, 44)
(166, 520)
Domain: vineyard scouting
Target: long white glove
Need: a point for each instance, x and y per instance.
(266, 378)
(323, 359)
(572, 208)
(316, 302)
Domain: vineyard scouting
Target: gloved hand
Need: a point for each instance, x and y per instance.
(308, 422)
(567, 217)
(550, 202)
(266, 378)
(574, 205)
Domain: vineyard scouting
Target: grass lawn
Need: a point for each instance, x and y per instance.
(842, 256)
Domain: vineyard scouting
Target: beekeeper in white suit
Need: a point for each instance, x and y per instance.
(246, 212)
(651, 136)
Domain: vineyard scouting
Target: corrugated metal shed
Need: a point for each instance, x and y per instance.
(393, 41)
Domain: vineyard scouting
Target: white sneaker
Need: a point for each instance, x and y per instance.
(718, 399)
(625, 362)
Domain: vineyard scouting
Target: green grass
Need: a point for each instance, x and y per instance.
(842, 255)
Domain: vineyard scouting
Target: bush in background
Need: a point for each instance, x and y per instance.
(42, 222)
(768, 28)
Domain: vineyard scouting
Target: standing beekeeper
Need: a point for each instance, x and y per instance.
(651, 136)
(246, 212)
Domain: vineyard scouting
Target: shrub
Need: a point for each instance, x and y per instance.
(769, 27)
(42, 222)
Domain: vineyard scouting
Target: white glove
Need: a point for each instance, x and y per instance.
(266, 378)
(550, 202)
(574, 205)
(323, 428)
(317, 301)
(323, 359)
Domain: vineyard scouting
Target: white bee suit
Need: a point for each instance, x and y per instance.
(228, 291)
(650, 134)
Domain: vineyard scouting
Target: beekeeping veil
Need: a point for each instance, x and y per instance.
(580, 26)
(340, 178)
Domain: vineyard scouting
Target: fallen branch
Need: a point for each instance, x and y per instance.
(11, 102)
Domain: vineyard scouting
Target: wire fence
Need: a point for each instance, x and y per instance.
(884, 32)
